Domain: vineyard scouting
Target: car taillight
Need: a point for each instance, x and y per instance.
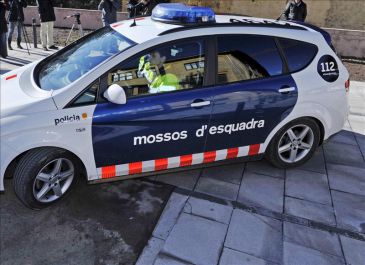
(347, 85)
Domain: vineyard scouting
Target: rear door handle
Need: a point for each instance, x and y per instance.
(286, 89)
(200, 104)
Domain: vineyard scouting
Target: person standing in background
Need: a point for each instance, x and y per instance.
(4, 5)
(295, 10)
(109, 10)
(16, 19)
(47, 16)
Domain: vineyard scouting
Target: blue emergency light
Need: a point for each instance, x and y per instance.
(183, 14)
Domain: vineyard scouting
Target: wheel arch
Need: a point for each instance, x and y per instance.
(11, 167)
(321, 128)
(283, 124)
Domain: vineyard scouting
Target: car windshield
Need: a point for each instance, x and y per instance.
(77, 59)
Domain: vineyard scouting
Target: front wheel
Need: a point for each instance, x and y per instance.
(44, 176)
(294, 144)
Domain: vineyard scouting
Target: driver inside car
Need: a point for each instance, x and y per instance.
(161, 81)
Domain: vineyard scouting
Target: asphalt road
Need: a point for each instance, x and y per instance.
(96, 224)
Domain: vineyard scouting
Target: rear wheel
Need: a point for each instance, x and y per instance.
(294, 144)
(44, 176)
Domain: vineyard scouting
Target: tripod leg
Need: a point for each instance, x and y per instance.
(81, 31)
(25, 37)
(69, 35)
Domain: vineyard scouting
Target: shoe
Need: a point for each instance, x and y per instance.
(53, 47)
(19, 46)
(45, 49)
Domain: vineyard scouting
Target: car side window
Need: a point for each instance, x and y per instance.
(88, 97)
(245, 57)
(170, 67)
(298, 53)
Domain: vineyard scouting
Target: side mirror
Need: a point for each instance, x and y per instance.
(116, 94)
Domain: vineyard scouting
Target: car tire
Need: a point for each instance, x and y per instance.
(44, 176)
(294, 144)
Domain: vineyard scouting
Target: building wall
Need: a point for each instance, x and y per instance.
(348, 14)
(90, 19)
(347, 32)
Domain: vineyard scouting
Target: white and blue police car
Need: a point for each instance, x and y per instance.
(181, 88)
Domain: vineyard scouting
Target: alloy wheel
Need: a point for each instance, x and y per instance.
(296, 143)
(53, 180)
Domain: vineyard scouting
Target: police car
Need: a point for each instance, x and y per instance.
(181, 88)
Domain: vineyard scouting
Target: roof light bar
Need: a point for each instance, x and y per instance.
(183, 14)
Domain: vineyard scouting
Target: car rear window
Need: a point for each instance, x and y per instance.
(298, 54)
(244, 57)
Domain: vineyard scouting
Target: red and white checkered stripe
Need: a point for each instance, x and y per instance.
(177, 161)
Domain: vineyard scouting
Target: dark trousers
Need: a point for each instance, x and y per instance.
(12, 26)
(3, 45)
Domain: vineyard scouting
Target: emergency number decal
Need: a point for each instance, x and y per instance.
(328, 69)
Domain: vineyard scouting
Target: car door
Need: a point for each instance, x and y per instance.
(167, 102)
(253, 94)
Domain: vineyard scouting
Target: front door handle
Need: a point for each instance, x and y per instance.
(285, 90)
(200, 104)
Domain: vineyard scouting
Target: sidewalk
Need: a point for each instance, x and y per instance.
(18, 57)
(256, 214)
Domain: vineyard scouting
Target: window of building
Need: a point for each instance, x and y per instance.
(245, 57)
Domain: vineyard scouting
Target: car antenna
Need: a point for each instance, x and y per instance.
(134, 16)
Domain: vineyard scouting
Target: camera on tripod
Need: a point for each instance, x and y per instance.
(76, 16)
(77, 23)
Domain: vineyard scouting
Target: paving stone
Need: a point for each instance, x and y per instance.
(218, 188)
(354, 250)
(344, 154)
(307, 185)
(183, 179)
(350, 211)
(229, 173)
(150, 251)
(345, 137)
(361, 141)
(163, 260)
(216, 212)
(169, 215)
(316, 163)
(352, 200)
(263, 191)
(265, 168)
(322, 241)
(255, 235)
(346, 178)
(233, 257)
(310, 210)
(299, 255)
(196, 240)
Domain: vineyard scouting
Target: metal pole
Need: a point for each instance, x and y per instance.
(34, 32)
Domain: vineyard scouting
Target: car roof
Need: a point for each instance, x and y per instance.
(146, 28)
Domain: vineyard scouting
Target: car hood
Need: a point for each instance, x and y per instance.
(20, 96)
